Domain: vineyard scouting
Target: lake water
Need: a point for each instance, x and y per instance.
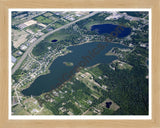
(80, 53)
(84, 55)
(54, 40)
(110, 28)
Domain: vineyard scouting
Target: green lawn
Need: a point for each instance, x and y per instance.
(59, 35)
(43, 20)
(18, 110)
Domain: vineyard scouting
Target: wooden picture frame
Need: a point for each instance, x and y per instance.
(5, 5)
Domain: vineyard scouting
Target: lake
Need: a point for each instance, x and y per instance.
(109, 28)
(54, 40)
(58, 69)
(84, 55)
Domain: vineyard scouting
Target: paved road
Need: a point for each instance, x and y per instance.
(42, 38)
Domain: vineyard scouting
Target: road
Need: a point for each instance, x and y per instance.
(42, 38)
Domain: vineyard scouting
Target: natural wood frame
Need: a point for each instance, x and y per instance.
(6, 4)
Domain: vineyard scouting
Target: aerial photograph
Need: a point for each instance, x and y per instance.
(81, 62)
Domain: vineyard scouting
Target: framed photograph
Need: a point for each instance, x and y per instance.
(78, 65)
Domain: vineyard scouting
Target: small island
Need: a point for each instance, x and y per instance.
(68, 63)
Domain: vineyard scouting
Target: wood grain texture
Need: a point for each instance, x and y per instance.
(6, 4)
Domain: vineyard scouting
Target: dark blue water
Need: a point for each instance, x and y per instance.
(108, 104)
(54, 40)
(84, 55)
(115, 30)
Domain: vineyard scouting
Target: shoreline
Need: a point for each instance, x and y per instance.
(47, 68)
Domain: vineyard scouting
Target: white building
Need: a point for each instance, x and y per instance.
(23, 47)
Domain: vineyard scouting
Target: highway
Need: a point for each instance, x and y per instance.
(29, 50)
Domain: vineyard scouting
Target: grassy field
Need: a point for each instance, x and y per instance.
(18, 110)
(44, 20)
(48, 14)
(59, 35)
(34, 28)
(57, 25)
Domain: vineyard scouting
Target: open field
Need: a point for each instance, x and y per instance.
(44, 20)
(34, 28)
(18, 37)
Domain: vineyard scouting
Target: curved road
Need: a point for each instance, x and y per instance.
(42, 38)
